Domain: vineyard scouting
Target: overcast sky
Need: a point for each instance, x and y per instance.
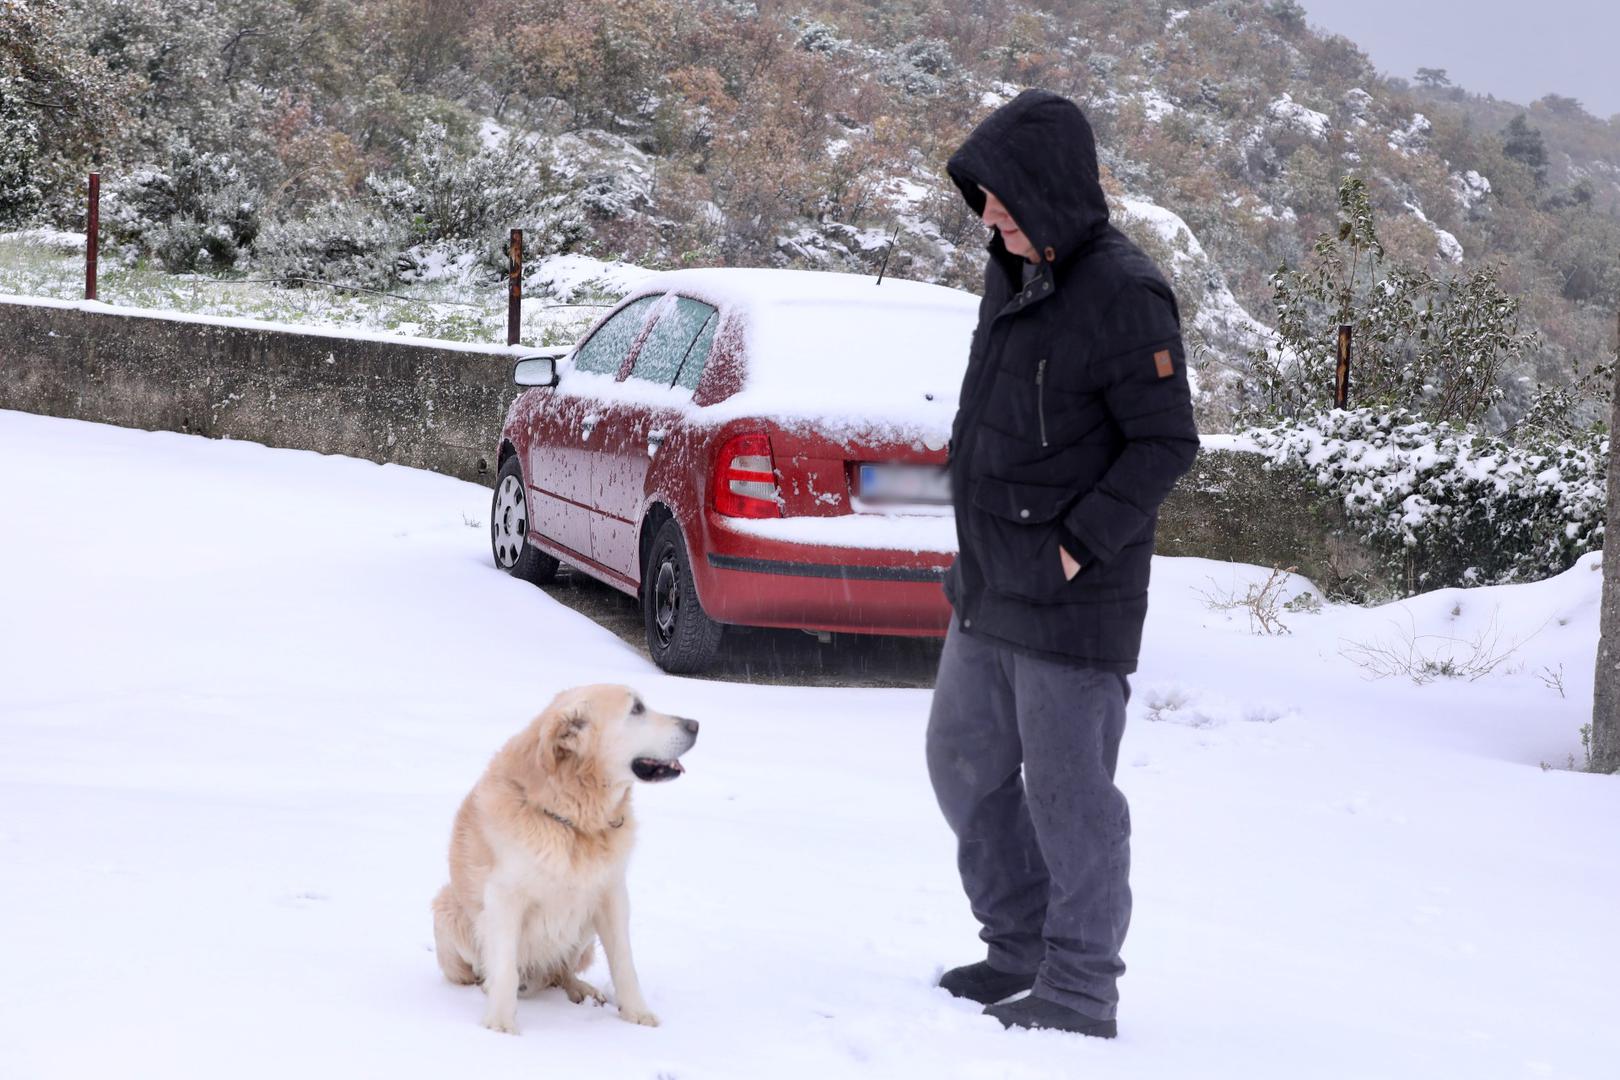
(1516, 50)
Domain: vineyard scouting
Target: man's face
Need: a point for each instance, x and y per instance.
(1012, 237)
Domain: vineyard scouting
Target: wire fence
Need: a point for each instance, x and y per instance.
(512, 285)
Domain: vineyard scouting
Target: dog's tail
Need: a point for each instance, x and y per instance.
(453, 939)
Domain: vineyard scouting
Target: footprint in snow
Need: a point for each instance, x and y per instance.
(1198, 709)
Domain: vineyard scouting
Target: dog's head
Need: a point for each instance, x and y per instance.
(612, 728)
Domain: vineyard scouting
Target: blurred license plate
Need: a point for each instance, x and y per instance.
(905, 484)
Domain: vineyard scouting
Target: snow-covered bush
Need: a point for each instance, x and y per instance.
(448, 192)
(1450, 506)
(338, 243)
(195, 212)
(924, 67)
(818, 37)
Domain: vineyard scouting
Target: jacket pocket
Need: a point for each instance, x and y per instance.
(1017, 528)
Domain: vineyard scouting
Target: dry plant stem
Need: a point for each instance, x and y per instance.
(1262, 600)
(1553, 679)
(1424, 658)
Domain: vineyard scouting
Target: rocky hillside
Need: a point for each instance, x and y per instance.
(379, 140)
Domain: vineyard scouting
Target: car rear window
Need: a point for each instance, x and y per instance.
(698, 355)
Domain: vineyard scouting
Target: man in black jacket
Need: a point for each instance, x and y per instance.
(1075, 421)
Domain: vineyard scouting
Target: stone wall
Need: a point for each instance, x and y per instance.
(434, 406)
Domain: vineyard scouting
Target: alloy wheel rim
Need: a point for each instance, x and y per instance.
(510, 523)
(666, 599)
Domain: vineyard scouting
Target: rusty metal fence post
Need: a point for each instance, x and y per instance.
(514, 296)
(92, 229)
(1341, 374)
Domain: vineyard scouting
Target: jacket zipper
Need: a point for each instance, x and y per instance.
(1040, 396)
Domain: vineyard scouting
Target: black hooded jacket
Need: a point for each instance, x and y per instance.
(1075, 419)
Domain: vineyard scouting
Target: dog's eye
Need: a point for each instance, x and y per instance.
(637, 709)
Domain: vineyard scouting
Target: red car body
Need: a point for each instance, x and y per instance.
(769, 500)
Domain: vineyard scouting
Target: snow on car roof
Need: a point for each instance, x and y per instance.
(840, 349)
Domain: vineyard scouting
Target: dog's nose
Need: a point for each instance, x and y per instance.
(690, 726)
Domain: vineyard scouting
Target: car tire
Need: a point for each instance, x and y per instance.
(509, 529)
(681, 638)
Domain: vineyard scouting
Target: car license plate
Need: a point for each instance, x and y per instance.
(905, 484)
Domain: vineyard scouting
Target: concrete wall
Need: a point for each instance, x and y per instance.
(441, 407)
(430, 405)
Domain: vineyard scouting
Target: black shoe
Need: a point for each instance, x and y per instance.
(1040, 1014)
(982, 983)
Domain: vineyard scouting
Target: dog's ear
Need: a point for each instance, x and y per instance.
(565, 734)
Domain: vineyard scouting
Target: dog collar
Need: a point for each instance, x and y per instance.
(554, 816)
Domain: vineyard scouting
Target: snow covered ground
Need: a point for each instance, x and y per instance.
(242, 691)
(448, 299)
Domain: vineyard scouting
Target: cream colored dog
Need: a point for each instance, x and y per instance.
(538, 853)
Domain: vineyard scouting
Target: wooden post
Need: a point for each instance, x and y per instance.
(1341, 375)
(514, 297)
(92, 229)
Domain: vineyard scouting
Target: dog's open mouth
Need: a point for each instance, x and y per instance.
(653, 770)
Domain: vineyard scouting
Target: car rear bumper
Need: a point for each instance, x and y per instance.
(841, 575)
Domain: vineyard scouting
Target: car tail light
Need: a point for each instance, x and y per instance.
(745, 478)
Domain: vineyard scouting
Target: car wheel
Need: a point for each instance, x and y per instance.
(680, 635)
(509, 529)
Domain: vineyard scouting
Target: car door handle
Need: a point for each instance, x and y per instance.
(655, 439)
(588, 425)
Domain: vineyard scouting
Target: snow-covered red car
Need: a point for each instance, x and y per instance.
(745, 447)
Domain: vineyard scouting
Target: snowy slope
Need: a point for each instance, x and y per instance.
(242, 691)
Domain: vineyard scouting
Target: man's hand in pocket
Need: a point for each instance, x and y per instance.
(1070, 567)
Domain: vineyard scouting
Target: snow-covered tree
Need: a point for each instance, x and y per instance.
(20, 196)
(1439, 346)
(1524, 144)
(60, 108)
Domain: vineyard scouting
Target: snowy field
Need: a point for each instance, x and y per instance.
(242, 691)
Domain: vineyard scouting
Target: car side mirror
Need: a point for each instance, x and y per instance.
(538, 370)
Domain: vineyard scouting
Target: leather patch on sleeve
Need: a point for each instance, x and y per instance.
(1163, 364)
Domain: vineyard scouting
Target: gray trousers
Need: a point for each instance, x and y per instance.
(1021, 752)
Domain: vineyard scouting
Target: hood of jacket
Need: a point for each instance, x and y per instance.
(1038, 156)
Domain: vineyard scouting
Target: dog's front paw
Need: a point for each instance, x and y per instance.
(579, 991)
(501, 1021)
(642, 1016)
